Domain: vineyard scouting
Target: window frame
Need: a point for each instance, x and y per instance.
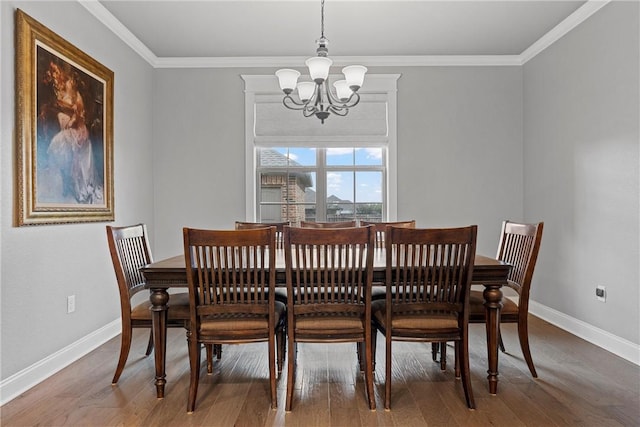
(264, 89)
(321, 170)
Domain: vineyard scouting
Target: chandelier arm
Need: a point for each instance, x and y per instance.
(353, 100)
(330, 97)
(294, 104)
(356, 100)
(338, 111)
(309, 111)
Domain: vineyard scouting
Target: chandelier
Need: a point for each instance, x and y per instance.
(316, 97)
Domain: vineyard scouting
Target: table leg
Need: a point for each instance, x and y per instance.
(493, 304)
(159, 299)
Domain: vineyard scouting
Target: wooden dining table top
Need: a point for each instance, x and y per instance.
(171, 272)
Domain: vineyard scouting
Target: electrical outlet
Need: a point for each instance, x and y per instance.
(71, 303)
(601, 293)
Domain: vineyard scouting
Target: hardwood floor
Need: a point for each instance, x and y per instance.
(579, 384)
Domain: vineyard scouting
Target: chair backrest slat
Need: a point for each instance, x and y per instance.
(242, 225)
(381, 229)
(329, 266)
(228, 268)
(519, 246)
(429, 267)
(337, 224)
(130, 250)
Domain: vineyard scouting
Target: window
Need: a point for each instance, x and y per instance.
(298, 169)
(320, 184)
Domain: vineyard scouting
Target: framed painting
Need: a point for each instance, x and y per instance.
(64, 130)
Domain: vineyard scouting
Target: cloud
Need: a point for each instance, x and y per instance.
(334, 181)
(339, 151)
(374, 153)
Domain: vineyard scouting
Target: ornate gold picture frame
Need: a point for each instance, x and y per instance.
(64, 130)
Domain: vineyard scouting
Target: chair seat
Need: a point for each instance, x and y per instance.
(178, 308)
(476, 305)
(415, 320)
(214, 325)
(346, 323)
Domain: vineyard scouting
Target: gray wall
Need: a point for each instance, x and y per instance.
(459, 149)
(41, 265)
(179, 160)
(581, 142)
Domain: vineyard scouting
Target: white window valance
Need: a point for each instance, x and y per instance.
(369, 123)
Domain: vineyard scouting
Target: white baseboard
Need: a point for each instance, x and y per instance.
(22, 381)
(606, 340)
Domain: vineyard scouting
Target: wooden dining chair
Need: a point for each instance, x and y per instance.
(378, 290)
(281, 293)
(338, 224)
(242, 225)
(380, 228)
(231, 279)
(328, 275)
(129, 248)
(428, 279)
(518, 246)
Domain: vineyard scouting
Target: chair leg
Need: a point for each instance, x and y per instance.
(387, 380)
(434, 351)
(194, 364)
(523, 335)
(457, 357)
(281, 344)
(209, 349)
(125, 346)
(218, 351)
(272, 370)
(368, 371)
(466, 372)
(360, 351)
(443, 356)
(374, 340)
(150, 345)
(500, 342)
(291, 363)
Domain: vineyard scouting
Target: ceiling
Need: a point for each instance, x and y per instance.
(264, 28)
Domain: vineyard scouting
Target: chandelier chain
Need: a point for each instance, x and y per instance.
(322, 19)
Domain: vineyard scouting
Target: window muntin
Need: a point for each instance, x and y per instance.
(320, 184)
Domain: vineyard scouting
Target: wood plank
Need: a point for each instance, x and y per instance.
(579, 384)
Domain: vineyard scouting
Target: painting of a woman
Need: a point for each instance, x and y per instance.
(67, 164)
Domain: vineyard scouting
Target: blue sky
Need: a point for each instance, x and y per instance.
(340, 183)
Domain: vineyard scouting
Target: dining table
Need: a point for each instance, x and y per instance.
(170, 273)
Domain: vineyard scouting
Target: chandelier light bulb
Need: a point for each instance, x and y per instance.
(306, 90)
(354, 74)
(319, 68)
(342, 90)
(287, 79)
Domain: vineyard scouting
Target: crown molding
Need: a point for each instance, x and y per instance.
(557, 32)
(369, 61)
(572, 21)
(110, 21)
